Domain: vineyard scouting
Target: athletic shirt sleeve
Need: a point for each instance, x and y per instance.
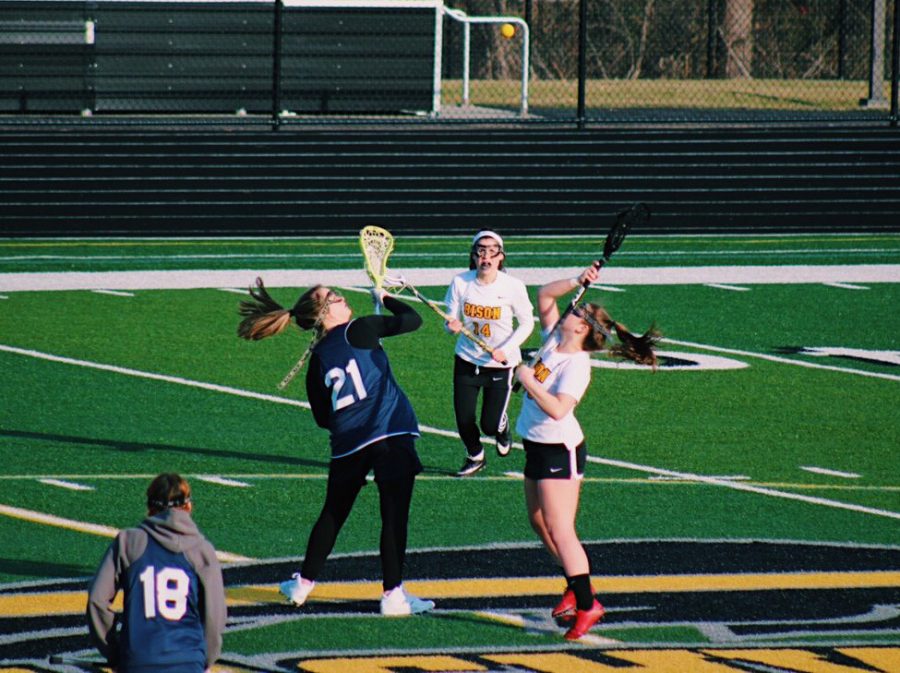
(575, 377)
(366, 331)
(523, 312)
(451, 300)
(318, 395)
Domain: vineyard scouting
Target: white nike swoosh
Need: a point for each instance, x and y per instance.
(556, 469)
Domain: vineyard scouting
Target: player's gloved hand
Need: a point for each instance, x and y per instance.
(378, 295)
(395, 281)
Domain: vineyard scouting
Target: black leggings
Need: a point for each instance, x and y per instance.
(468, 380)
(395, 488)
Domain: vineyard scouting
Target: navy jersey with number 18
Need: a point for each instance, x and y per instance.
(162, 624)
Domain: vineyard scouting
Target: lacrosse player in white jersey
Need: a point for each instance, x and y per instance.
(495, 307)
(555, 449)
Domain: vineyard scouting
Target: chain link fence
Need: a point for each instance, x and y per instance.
(685, 59)
(510, 61)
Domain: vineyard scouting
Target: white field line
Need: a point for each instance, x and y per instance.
(506, 476)
(545, 626)
(60, 483)
(829, 473)
(446, 433)
(114, 293)
(221, 481)
(781, 360)
(719, 477)
(431, 277)
(848, 286)
(738, 486)
(733, 288)
(58, 521)
(85, 527)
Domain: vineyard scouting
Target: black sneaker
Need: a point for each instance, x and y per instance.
(471, 466)
(504, 438)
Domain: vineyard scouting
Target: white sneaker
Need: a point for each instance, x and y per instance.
(297, 589)
(398, 603)
(504, 437)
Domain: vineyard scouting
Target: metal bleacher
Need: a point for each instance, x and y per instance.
(533, 180)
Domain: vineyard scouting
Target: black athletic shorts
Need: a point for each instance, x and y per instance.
(391, 458)
(553, 461)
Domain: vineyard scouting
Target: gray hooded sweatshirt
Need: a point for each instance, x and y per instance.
(176, 532)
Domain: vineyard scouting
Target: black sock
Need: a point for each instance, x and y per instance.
(584, 594)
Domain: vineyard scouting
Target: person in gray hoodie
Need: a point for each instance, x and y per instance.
(174, 595)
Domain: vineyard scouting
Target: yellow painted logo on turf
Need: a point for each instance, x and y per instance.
(706, 660)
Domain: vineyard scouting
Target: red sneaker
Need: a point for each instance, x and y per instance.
(566, 607)
(584, 620)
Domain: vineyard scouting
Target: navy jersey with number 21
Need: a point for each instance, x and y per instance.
(366, 402)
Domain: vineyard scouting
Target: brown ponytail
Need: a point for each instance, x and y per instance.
(265, 317)
(638, 348)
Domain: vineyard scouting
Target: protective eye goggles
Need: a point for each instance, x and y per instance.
(490, 251)
(579, 311)
(331, 298)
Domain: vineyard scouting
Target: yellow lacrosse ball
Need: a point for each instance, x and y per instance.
(507, 30)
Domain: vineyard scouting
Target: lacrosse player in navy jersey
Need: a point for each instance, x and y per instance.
(353, 394)
(174, 597)
(487, 301)
(555, 449)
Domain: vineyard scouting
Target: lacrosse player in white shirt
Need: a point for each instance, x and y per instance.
(495, 307)
(555, 450)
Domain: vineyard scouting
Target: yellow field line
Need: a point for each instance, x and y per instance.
(85, 527)
(529, 586)
(74, 602)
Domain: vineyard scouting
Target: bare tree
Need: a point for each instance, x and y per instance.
(738, 38)
(645, 33)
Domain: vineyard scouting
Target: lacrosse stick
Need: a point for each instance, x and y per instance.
(401, 282)
(638, 214)
(376, 244)
(297, 367)
(81, 662)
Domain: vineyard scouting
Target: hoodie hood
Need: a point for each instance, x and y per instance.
(174, 529)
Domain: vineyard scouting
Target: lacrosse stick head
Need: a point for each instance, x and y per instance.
(376, 244)
(637, 214)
